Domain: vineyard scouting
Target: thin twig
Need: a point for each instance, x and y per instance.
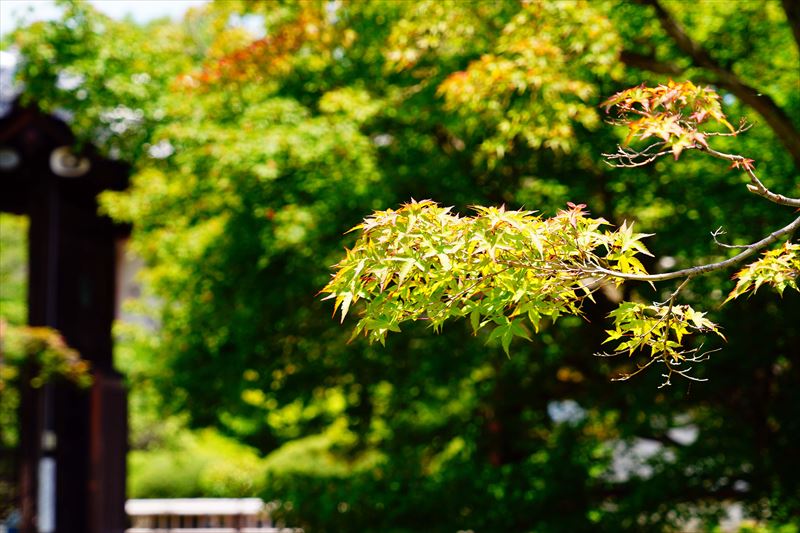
(719, 231)
(626, 377)
(635, 158)
(743, 126)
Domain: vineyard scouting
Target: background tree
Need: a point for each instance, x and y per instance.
(254, 153)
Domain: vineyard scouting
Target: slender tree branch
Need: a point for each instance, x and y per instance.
(756, 187)
(704, 269)
(776, 117)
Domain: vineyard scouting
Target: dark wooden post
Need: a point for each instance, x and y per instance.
(74, 441)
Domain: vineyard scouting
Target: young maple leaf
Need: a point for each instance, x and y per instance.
(744, 164)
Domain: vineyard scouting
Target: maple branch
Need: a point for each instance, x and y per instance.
(626, 157)
(755, 186)
(704, 269)
(776, 117)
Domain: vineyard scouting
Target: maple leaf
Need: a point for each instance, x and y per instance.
(744, 164)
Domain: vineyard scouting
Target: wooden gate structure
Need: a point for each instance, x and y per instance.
(73, 441)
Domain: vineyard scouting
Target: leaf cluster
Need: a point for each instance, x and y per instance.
(778, 268)
(672, 112)
(43, 348)
(503, 268)
(534, 86)
(638, 327)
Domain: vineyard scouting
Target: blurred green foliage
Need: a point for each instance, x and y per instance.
(195, 464)
(13, 311)
(253, 155)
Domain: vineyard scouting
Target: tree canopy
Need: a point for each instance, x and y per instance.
(255, 151)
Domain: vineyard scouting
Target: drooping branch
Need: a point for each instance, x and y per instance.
(776, 117)
(631, 158)
(756, 187)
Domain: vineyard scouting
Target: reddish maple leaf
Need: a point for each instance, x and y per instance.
(743, 163)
